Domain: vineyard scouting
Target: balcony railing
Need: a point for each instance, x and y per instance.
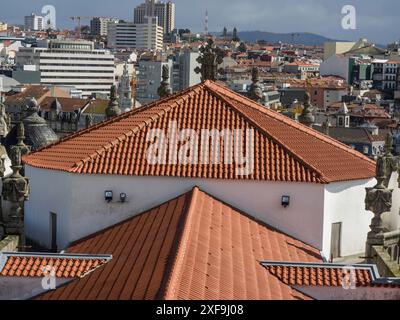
(392, 245)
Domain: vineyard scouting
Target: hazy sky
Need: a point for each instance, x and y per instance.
(378, 20)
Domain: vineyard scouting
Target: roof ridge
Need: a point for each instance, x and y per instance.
(290, 122)
(168, 287)
(263, 131)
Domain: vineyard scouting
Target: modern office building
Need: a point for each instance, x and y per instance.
(130, 35)
(149, 79)
(71, 63)
(183, 70)
(164, 11)
(99, 25)
(34, 23)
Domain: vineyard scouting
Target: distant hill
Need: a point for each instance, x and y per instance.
(309, 39)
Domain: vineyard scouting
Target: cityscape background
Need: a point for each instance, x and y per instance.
(377, 21)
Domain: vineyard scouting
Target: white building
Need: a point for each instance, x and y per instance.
(34, 23)
(99, 25)
(71, 63)
(129, 35)
(336, 65)
(302, 182)
(149, 79)
(184, 75)
(165, 13)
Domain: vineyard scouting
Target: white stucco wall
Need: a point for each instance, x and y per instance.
(82, 198)
(360, 293)
(50, 192)
(335, 66)
(344, 202)
(78, 201)
(23, 288)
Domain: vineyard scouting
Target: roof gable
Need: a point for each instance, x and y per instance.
(192, 247)
(283, 149)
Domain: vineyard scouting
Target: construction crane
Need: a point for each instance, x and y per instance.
(78, 21)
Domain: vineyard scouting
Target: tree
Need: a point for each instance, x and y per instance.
(235, 35)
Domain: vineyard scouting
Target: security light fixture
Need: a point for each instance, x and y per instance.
(285, 201)
(108, 195)
(122, 197)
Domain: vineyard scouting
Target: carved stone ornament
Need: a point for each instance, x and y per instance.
(210, 57)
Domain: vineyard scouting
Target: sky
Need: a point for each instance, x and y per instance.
(377, 20)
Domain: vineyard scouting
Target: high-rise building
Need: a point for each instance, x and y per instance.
(34, 23)
(149, 79)
(164, 11)
(72, 63)
(129, 35)
(184, 75)
(99, 25)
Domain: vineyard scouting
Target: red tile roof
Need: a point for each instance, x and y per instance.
(192, 247)
(284, 150)
(67, 104)
(34, 264)
(326, 275)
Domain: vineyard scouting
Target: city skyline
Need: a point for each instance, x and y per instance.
(377, 23)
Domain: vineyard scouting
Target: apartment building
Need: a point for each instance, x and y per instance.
(99, 25)
(385, 74)
(72, 63)
(34, 22)
(130, 35)
(185, 63)
(149, 79)
(164, 11)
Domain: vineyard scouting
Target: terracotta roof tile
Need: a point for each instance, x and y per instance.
(192, 247)
(284, 150)
(326, 275)
(34, 264)
(67, 104)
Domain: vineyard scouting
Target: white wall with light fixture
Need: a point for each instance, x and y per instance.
(79, 201)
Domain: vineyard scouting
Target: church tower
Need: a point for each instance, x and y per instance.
(125, 91)
(343, 118)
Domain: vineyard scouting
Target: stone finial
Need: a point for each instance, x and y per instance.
(125, 90)
(4, 121)
(379, 198)
(256, 93)
(165, 89)
(113, 109)
(88, 120)
(210, 57)
(307, 118)
(20, 139)
(16, 191)
(326, 125)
